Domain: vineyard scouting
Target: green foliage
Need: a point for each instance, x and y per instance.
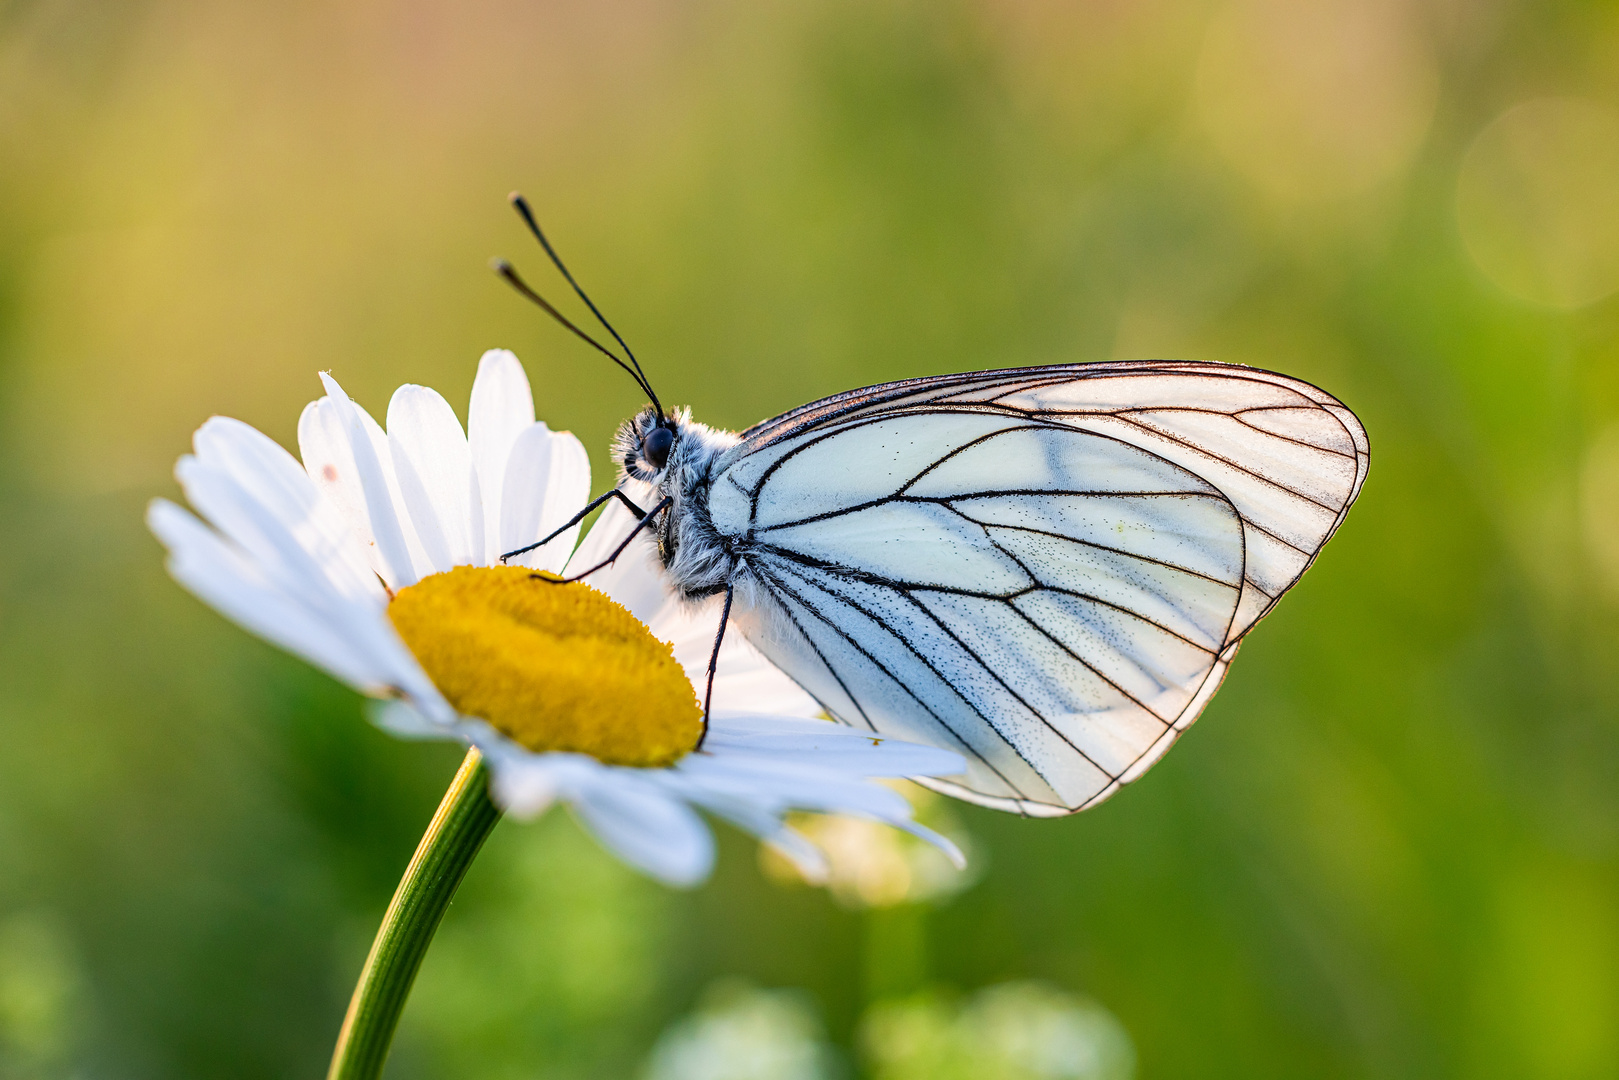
(1391, 846)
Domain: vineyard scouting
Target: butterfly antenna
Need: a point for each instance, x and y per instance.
(522, 207)
(507, 271)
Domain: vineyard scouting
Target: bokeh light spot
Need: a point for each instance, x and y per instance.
(870, 865)
(1317, 99)
(1014, 1031)
(741, 1033)
(1538, 201)
(1599, 507)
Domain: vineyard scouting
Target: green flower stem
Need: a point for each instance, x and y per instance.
(463, 821)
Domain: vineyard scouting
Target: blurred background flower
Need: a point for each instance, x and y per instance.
(1013, 1031)
(741, 1033)
(1390, 848)
(873, 866)
(1010, 1031)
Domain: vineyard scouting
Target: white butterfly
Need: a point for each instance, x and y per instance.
(1045, 569)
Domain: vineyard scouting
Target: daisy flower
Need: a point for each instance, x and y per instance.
(378, 560)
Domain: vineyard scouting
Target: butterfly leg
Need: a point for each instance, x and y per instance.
(646, 519)
(577, 518)
(714, 663)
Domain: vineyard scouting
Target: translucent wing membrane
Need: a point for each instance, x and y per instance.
(1047, 569)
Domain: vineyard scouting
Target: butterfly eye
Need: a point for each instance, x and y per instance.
(656, 447)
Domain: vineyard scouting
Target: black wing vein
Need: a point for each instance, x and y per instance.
(970, 552)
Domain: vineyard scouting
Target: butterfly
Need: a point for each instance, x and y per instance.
(1046, 569)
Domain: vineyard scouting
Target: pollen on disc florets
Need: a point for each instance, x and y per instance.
(552, 667)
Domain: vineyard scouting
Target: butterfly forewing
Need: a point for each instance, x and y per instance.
(1047, 569)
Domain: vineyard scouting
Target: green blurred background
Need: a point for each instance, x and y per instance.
(1391, 847)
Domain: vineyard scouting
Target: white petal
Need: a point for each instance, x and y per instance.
(946, 846)
(403, 720)
(745, 681)
(294, 543)
(403, 560)
(501, 407)
(646, 828)
(323, 443)
(286, 566)
(271, 546)
(771, 782)
(293, 557)
(434, 466)
(567, 490)
(528, 472)
(634, 580)
(525, 790)
(383, 456)
(690, 628)
(603, 537)
(260, 496)
(767, 826)
(799, 850)
(221, 576)
(800, 770)
(547, 482)
(523, 784)
(824, 744)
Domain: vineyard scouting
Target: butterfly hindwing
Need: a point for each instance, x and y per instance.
(1047, 569)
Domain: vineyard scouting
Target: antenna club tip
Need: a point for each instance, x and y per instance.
(516, 199)
(500, 266)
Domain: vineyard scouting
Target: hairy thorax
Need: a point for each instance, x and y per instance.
(697, 560)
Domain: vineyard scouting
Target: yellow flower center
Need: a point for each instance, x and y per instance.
(552, 667)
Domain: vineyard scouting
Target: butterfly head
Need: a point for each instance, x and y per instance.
(646, 442)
